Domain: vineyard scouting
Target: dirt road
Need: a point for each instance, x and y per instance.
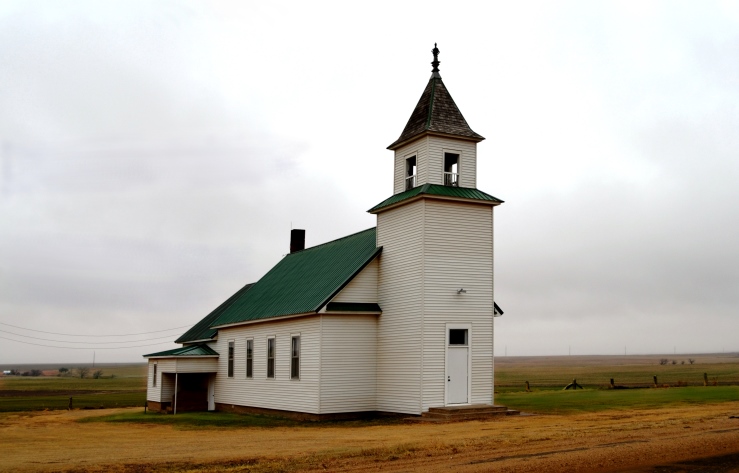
(612, 441)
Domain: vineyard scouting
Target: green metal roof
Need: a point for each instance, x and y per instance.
(304, 281)
(439, 190)
(190, 350)
(202, 330)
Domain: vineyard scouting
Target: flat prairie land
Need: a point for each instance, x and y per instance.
(693, 428)
(121, 385)
(555, 372)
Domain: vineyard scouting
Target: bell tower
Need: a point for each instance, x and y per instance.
(437, 146)
(435, 278)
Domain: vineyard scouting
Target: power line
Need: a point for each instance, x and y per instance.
(84, 348)
(115, 335)
(65, 341)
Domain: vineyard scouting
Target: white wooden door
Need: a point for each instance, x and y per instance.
(212, 393)
(456, 372)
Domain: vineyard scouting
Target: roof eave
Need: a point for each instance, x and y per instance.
(159, 357)
(398, 143)
(203, 340)
(491, 203)
(267, 319)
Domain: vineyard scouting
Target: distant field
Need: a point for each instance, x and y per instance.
(555, 372)
(121, 385)
(544, 374)
(547, 376)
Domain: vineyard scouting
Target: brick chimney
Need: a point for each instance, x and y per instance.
(297, 240)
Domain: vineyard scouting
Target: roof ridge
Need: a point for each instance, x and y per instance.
(333, 241)
(431, 102)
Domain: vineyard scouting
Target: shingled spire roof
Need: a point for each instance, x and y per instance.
(436, 112)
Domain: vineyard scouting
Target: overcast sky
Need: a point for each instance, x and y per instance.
(154, 156)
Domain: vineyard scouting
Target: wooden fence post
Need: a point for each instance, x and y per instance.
(705, 379)
(528, 389)
(655, 380)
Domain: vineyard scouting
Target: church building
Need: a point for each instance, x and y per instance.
(397, 318)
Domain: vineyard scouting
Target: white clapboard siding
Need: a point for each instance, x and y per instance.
(363, 288)
(418, 149)
(400, 233)
(196, 365)
(466, 168)
(164, 389)
(281, 392)
(458, 253)
(165, 383)
(348, 363)
(154, 393)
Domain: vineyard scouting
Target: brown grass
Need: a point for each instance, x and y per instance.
(55, 441)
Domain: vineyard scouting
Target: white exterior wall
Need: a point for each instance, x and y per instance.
(281, 392)
(400, 295)
(458, 253)
(363, 288)
(156, 393)
(417, 148)
(196, 365)
(429, 151)
(348, 363)
(467, 166)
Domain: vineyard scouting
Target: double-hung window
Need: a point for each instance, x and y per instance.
(230, 359)
(249, 357)
(154, 378)
(271, 357)
(295, 358)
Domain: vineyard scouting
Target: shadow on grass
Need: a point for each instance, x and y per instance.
(220, 420)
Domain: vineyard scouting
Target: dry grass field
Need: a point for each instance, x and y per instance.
(642, 439)
(681, 429)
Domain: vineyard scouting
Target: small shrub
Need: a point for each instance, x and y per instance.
(36, 372)
(674, 362)
(26, 373)
(97, 374)
(691, 360)
(682, 362)
(83, 372)
(663, 361)
(63, 370)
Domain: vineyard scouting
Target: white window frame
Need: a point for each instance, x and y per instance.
(292, 358)
(231, 359)
(274, 357)
(154, 375)
(247, 359)
(450, 326)
(458, 152)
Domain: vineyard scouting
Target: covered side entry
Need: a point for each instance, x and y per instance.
(182, 379)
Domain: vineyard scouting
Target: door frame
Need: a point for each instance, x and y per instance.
(447, 327)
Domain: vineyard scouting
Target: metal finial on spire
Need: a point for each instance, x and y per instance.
(435, 52)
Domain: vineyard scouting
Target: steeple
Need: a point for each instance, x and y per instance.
(436, 112)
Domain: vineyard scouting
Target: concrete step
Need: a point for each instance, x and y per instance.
(461, 413)
(475, 408)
